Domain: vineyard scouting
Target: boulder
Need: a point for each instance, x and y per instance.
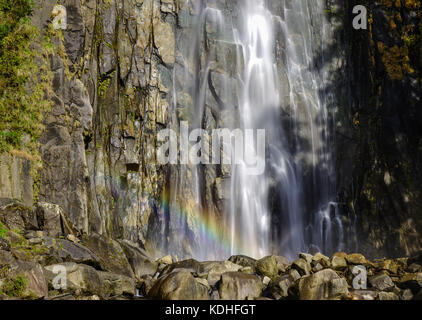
(285, 284)
(204, 282)
(387, 296)
(68, 251)
(117, 284)
(24, 280)
(319, 256)
(243, 261)
(306, 256)
(268, 266)
(178, 285)
(191, 265)
(17, 217)
(381, 282)
(302, 266)
(79, 278)
(282, 263)
(239, 286)
(213, 270)
(142, 264)
(323, 285)
(357, 259)
(320, 259)
(110, 254)
(144, 285)
(294, 274)
(316, 266)
(406, 295)
(389, 265)
(36, 285)
(340, 254)
(338, 263)
(279, 288)
(53, 220)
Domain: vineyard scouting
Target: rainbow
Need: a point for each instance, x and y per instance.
(213, 232)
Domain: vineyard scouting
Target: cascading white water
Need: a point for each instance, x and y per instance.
(277, 87)
(273, 84)
(259, 103)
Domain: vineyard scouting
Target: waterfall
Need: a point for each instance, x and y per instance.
(259, 107)
(305, 33)
(255, 64)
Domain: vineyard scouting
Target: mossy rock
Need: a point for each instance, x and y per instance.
(110, 254)
(25, 280)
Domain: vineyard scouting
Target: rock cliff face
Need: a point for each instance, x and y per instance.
(116, 66)
(379, 167)
(112, 91)
(119, 76)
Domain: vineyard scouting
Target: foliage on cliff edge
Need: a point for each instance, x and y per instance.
(24, 78)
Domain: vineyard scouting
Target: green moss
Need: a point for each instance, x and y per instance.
(22, 82)
(107, 4)
(3, 231)
(17, 231)
(15, 287)
(104, 83)
(25, 82)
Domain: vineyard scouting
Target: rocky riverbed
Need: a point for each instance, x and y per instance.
(42, 256)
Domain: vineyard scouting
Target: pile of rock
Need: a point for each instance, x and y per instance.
(42, 256)
(310, 277)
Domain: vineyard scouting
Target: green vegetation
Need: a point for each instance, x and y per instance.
(14, 287)
(12, 11)
(104, 83)
(3, 231)
(23, 83)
